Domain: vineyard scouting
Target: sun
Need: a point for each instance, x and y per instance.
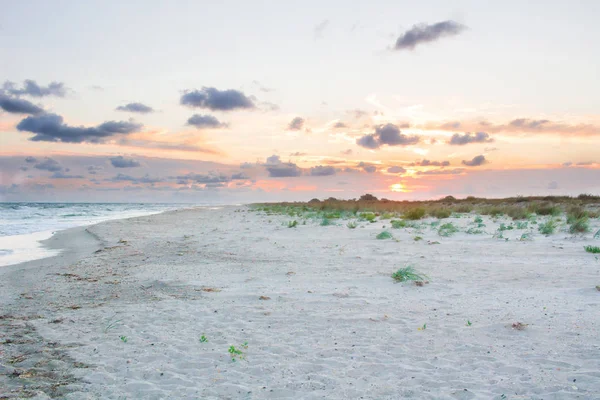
(397, 187)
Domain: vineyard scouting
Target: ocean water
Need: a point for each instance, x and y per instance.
(24, 225)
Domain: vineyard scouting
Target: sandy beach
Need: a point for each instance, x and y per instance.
(150, 307)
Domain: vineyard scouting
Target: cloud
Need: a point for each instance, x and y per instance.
(239, 176)
(396, 170)
(50, 128)
(429, 163)
(322, 170)
(122, 162)
(217, 100)
(273, 160)
(284, 170)
(205, 122)
(369, 168)
(93, 169)
(357, 113)
(127, 178)
(479, 137)
(31, 88)
(340, 125)
(320, 29)
(346, 152)
(567, 164)
(205, 178)
(297, 154)
(424, 33)
(247, 165)
(60, 175)
(136, 108)
(30, 160)
(261, 87)
(296, 124)
(48, 164)
(475, 162)
(388, 134)
(18, 106)
(522, 125)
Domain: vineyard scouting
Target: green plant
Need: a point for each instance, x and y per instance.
(592, 249)
(408, 274)
(580, 225)
(597, 234)
(236, 353)
(111, 323)
(469, 323)
(575, 213)
(447, 229)
(440, 213)
(505, 227)
(384, 235)
(123, 339)
(292, 224)
(525, 237)
(522, 224)
(417, 238)
(414, 213)
(473, 231)
(325, 222)
(478, 220)
(548, 227)
(203, 339)
(352, 225)
(387, 216)
(397, 224)
(369, 216)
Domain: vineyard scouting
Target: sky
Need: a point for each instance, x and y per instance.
(243, 101)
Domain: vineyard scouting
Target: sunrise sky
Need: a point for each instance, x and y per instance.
(241, 101)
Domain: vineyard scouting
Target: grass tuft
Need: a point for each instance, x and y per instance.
(352, 225)
(326, 222)
(592, 249)
(580, 225)
(408, 274)
(414, 213)
(384, 235)
(292, 224)
(547, 228)
(447, 230)
(397, 224)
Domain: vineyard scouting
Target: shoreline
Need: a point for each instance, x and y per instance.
(312, 310)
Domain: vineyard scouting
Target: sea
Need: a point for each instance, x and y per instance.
(24, 225)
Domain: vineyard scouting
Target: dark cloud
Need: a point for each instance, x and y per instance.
(205, 178)
(424, 33)
(479, 137)
(475, 162)
(396, 170)
(31, 88)
(347, 152)
(60, 175)
(340, 125)
(48, 164)
(583, 163)
(284, 170)
(205, 122)
(388, 134)
(50, 128)
(136, 108)
(322, 170)
(429, 163)
(567, 164)
(529, 124)
(273, 160)
(450, 125)
(217, 100)
(239, 176)
(122, 162)
(18, 106)
(296, 124)
(128, 178)
(30, 160)
(93, 169)
(247, 165)
(369, 168)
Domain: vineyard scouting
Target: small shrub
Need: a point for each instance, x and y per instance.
(417, 238)
(478, 220)
(517, 213)
(369, 216)
(387, 216)
(580, 225)
(474, 231)
(597, 234)
(522, 224)
(292, 224)
(440, 213)
(352, 225)
(548, 227)
(325, 222)
(505, 227)
(447, 230)
(575, 213)
(414, 214)
(548, 210)
(408, 274)
(592, 249)
(384, 235)
(397, 224)
(203, 339)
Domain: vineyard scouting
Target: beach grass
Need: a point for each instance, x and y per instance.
(408, 273)
(592, 249)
